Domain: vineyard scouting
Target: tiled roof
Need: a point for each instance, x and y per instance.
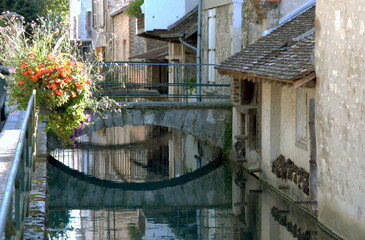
(185, 27)
(154, 54)
(286, 54)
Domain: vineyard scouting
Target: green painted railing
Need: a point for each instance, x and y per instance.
(150, 81)
(15, 201)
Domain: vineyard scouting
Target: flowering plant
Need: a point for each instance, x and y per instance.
(41, 56)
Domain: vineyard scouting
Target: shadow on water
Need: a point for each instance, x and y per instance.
(196, 198)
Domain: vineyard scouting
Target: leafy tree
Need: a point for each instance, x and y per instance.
(58, 7)
(32, 9)
(134, 9)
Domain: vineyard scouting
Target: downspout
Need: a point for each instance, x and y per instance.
(198, 51)
(187, 44)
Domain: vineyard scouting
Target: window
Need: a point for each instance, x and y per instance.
(302, 118)
(88, 24)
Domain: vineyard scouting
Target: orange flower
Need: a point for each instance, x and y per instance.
(73, 94)
(34, 78)
(68, 79)
(78, 85)
(58, 92)
(21, 82)
(51, 57)
(23, 65)
(32, 54)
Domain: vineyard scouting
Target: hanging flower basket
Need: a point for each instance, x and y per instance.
(42, 57)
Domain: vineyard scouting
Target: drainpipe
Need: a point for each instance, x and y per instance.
(187, 44)
(198, 51)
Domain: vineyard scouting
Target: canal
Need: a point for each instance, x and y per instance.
(149, 182)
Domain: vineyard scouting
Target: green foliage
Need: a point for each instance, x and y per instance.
(44, 59)
(134, 8)
(192, 89)
(33, 9)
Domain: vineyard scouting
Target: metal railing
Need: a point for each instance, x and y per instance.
(150, 81)
(15, 202)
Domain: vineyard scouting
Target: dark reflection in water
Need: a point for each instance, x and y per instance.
(252, 212)
(137, 154)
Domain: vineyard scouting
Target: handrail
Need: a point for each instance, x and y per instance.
(162, 81)
(14, 205)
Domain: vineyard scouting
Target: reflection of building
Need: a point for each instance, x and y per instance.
(260, 214)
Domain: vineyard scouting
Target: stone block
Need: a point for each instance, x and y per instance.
(189, 121)
(109, 119)
(169, 118)
(118, 119)
(149, 117)
(159, 118)
(179, 118)
(138, 117)
(129, 120)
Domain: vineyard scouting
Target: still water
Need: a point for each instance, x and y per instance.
(148, 182)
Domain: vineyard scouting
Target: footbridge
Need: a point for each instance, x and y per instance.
(70, 189)
(206, 121)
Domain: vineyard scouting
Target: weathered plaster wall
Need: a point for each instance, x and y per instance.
(288, 146)
(288, 6)
(340, 67)
(278, 128)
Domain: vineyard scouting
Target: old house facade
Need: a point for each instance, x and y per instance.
(271, 88)
(81, 29)
(115, 36)
(340, 115)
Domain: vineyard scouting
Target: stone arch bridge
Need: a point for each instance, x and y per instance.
(206, 121)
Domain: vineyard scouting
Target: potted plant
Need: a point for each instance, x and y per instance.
(41, 56)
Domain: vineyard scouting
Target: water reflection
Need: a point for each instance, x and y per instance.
(137, 154)
(254, 211)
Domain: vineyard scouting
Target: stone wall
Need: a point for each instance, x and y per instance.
(340, 67)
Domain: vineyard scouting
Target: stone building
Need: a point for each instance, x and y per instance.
(271, 87)
(340, 67)
(81, 29)
(115, 36)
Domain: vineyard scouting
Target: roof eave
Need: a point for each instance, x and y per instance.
(295, 82)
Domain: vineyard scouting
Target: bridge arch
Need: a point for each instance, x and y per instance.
(206, 121)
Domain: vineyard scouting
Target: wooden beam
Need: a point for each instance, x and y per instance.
(304, 80)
